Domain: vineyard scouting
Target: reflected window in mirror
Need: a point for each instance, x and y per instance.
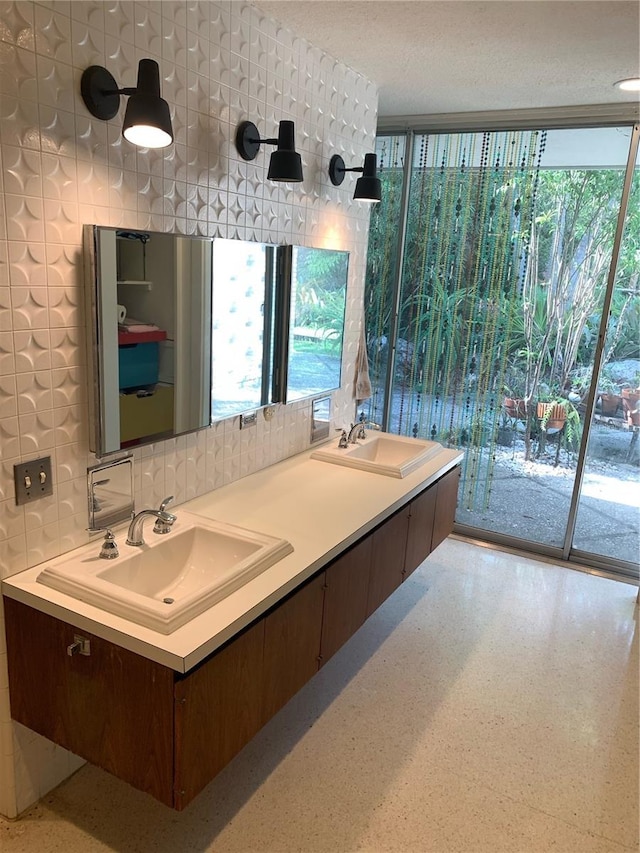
(314, 289)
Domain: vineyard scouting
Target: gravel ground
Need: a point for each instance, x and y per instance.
(530, 499)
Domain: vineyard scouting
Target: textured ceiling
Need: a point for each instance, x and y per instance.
(430, 56)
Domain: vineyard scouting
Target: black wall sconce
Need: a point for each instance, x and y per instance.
(368, 187)
(147, 121)
(285, 163)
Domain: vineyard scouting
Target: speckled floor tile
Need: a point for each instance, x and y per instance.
(490, 705)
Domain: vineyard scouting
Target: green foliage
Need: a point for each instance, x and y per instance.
(320, 293)
(608, 386)
(572, 431)
(322, 311)
(324, 271)
(623, 334)
(495, 295)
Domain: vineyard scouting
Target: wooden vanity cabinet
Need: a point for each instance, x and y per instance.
(445, 506)
(389, 545)
(112, 707)
(169, 733)
(292, 645)
(218, 709)
(431, 518)
(345, 597)
(420, 529)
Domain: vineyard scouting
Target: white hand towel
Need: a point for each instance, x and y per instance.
(362, 381)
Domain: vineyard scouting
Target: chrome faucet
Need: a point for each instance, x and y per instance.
(164, 522)
(358, 430)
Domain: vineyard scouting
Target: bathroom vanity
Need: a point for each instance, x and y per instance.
(167, 713)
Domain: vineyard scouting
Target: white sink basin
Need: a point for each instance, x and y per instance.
(381, 453)
(171, 579)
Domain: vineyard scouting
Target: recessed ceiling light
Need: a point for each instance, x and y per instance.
(630, 84)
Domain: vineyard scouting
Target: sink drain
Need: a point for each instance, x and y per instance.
(168, 600)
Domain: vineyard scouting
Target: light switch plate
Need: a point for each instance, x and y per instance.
(33, 480)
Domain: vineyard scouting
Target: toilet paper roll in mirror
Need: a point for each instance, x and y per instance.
(122, 313)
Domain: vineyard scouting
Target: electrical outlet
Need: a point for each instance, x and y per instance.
(33, 480)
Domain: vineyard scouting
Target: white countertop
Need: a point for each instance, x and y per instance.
(318, 507)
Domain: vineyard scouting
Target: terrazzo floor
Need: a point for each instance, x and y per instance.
(490, 705)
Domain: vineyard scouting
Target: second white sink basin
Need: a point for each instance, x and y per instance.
(171, 579)
(381, 453)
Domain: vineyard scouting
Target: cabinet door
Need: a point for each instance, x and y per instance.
(292, 645)
(218, 711)
(345, 597)
(445, 506)
(111, 707)
(421, 517)
(387, 559)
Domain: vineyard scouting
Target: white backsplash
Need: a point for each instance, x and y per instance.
(60, 168)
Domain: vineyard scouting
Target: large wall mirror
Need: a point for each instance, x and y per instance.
(190, 330)
(150, 309)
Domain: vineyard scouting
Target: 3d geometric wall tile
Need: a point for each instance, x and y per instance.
(61, 168)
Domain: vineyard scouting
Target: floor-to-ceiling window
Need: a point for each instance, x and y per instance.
(490, 266)
(607, 509)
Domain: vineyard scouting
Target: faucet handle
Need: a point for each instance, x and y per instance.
(165, 520)
(109, 550)
(165, 503)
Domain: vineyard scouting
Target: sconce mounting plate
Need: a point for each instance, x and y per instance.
(337, 170)
(95, 83)
(247, 140)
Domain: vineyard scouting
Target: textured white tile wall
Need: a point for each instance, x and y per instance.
(220, 63)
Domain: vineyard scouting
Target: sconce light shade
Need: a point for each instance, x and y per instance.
(285, 163)
(147, 120)
(368, 187)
